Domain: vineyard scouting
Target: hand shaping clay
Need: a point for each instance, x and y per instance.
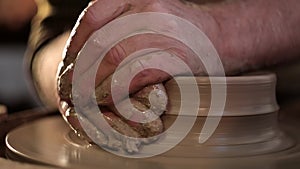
(148, 105)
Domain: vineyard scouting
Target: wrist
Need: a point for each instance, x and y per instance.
(255, 34)
(207, 20)
(233, 36)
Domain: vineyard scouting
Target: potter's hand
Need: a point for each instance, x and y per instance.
(102, 12)
(143, 85)
(247, 35)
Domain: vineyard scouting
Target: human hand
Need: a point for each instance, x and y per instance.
(100, 13)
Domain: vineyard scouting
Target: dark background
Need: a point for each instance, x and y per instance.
(14, 92)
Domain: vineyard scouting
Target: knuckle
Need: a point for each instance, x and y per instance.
(90, 16)
(151, 76)
(116, 55)
(156, 5)
(146, 73)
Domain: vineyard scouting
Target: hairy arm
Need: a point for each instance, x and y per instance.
(257, 33)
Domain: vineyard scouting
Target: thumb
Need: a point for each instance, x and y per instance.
(151, 68)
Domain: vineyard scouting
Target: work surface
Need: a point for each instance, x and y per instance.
(290, 109)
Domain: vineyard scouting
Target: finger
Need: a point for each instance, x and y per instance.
(96, 15)
(139, 117)
(154, 97)
(119, 54)
(125, 83)
(111, 137)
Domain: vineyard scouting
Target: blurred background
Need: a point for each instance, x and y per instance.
(15, 16)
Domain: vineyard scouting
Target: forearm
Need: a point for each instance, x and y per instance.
(255, 33)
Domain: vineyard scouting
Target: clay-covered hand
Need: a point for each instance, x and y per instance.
(99, 13)
(145, 84)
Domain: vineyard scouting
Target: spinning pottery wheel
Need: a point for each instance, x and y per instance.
(248, 135)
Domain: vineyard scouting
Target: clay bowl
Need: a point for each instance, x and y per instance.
(248, 125)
